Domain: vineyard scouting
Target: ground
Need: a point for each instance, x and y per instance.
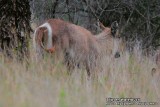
(47, 84)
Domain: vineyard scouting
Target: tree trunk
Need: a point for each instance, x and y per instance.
(15, 27)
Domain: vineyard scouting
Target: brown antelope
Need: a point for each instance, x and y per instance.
(78, 45)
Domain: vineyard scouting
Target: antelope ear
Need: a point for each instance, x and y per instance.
(114, 28)
(101, 25)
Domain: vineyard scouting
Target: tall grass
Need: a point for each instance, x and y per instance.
(47, 84)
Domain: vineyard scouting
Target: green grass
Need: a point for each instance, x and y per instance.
(47, 84)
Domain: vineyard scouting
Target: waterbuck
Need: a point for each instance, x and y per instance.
(78, 45)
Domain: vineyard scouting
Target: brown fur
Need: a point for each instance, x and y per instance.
(79, 46)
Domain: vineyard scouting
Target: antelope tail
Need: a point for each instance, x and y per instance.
(38, 34)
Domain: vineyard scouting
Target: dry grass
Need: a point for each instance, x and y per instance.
(47, 84)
